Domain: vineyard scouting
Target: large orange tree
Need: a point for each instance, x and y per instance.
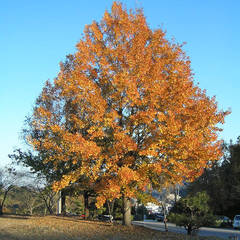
(124, 112)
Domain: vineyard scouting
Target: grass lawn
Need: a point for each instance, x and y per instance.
(71, 228)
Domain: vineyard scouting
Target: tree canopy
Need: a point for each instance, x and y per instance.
(124, 111)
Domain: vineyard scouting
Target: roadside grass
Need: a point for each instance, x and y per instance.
(71, 228)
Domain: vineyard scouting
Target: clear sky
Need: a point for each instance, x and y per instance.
(36, 35)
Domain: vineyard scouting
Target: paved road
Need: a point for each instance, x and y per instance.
(221, 233)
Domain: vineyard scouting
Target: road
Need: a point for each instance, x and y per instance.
(204, 231)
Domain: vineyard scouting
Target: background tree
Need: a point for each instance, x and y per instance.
(192, 212)
(27, 199)
(212, 181)
(230, 170)
(40, 170)
(49, 172)
(124, 112)
(49, 198)
(221, 182)
(9, 178)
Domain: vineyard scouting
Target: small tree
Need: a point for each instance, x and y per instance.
(8, 179)
(192, 212)
(30, 199)
(48, 172)
(49, 198)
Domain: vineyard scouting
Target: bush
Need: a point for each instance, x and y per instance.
(192, 212)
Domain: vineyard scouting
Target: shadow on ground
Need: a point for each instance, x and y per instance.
(23, 217)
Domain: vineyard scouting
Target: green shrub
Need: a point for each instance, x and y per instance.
(192, 212)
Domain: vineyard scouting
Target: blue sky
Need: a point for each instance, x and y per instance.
(36, 35)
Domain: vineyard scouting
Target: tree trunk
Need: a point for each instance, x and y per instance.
(49, 208)
(165, 218)
(189, 230)
(45, 210)
(126, 211)
(86, 205)
(110, 206)
(143, 212)
(63, 202)
(1, 209)
(31, 211)
(4, 198)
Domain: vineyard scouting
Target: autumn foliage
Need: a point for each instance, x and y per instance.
(124, 111)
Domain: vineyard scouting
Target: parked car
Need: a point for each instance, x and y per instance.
(159, 217)
(223, 221)
(105, 218)
(236, 221)
(82, 216)
(151, 216)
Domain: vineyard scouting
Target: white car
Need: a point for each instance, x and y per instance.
(236, 221)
